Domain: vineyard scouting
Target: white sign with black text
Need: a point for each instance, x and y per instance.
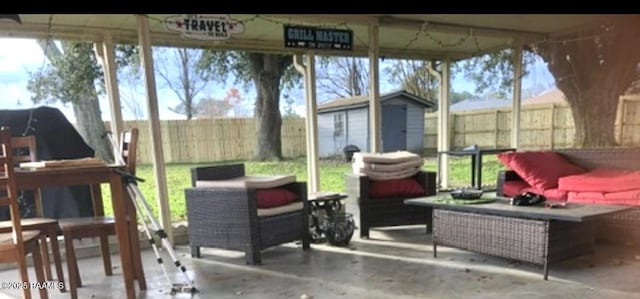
(205, 27)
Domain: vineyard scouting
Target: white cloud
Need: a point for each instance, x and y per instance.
(18, 57)
(20, 54)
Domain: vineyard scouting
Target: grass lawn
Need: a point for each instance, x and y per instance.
(331, 177)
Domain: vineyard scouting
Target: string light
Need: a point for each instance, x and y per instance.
(411, 41)
(422, 31)
(475, 42)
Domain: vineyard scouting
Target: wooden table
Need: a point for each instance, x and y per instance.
(128, 242)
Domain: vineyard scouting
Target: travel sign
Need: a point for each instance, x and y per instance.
(205, 27)
(317, 38)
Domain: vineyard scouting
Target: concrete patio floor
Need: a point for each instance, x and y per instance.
(394, 263)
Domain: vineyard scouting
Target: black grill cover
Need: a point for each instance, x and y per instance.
(56, 139)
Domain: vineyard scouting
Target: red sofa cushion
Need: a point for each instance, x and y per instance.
(513, 188)
(554, 194)
(274, 197)
(629, 197)
(540, 169)
(407, 187)
(601, 180)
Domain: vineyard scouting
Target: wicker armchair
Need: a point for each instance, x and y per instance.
(391, 211)
(228, 217)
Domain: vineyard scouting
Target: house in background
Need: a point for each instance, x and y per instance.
(345, 121)
(553, 96)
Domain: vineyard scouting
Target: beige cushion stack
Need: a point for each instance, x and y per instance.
(387, 166)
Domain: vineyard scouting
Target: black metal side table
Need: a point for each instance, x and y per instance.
(331, 204)
(476, 163)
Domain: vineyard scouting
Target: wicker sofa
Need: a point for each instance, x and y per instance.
(229, 218)
(620, 227)
(389, 211)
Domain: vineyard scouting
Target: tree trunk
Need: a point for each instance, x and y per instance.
(593, 68)
(594, 118)
(267, 70)
(86, 110)
(91, 127)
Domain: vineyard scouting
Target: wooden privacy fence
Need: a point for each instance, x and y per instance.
(208, 140)
(544, 126)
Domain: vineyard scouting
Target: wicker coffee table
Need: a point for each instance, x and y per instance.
(531, 234)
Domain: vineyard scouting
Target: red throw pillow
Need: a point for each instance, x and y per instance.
(407, 187)
(274, 197)
(540, 169)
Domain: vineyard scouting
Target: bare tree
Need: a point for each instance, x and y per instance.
(131, 96)
(211, 108)
(235, 100)
(339, 77)
(230, 105)
(414, 77)
(178, 69)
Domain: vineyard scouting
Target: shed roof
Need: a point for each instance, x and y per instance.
(363, 101)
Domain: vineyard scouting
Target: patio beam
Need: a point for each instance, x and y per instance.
(391, 21)
(170, 39)
(374, 92)
(146, 57)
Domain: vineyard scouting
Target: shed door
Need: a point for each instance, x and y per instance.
(394, 127)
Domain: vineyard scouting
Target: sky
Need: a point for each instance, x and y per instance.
(20, 57)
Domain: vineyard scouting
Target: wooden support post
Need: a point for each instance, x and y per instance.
(107, 57)
(517, 92)
(146, 57)
(375, 119)
(497, 128)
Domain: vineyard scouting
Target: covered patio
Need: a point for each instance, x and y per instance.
(432, 37)
(393, 263)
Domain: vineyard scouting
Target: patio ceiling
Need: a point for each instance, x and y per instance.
(425, 36)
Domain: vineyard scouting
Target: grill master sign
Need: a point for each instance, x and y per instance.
(205, 27)
(317, 38)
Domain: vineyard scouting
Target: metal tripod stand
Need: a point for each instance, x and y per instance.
(143, 209)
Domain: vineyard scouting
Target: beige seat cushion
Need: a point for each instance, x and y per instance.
(359, 166)
(294, 206)
(391, 175)
(386, 158)
(250, 181)
(387, 166)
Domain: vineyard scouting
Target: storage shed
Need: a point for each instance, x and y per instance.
(345, 121)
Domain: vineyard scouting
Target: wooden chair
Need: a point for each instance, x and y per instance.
(24, 150)
(97, 226)
(17, 244)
